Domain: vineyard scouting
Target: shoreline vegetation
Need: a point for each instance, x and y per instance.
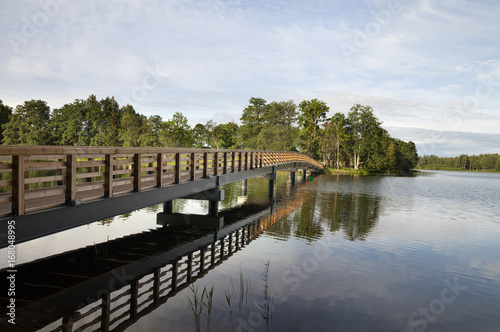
(481, 163)
(354, 143)
(350, 171)
(354, 140)
(455, 169)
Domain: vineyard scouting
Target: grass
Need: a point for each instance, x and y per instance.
(101, 250)
(199, 303)
(345, 171)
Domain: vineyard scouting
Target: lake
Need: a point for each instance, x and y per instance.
(346, 253)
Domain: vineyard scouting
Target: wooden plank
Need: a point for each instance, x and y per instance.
(90, 163)
(18, 199)
(43, 179)
(44, 193)
(44, 165)
(5, 199)
(123, 171)
(89, 175)
(6, 166)
(4, 183)
(70, 179)
(45, 157)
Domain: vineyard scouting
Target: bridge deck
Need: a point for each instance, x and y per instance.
(41, 185)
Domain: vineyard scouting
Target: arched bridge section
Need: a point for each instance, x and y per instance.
(46, 189)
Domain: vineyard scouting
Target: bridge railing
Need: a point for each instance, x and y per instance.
(34, 178)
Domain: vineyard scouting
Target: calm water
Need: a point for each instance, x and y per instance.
(369, 253)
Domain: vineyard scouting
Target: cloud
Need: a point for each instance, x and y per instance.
(420, 67)
(447, 143)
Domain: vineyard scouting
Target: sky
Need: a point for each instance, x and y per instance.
(429, 69)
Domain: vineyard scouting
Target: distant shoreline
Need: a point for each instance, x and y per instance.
(452, 169)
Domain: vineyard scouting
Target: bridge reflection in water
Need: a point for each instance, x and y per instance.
(109, 286)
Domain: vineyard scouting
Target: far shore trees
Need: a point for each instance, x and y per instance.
(355, 139)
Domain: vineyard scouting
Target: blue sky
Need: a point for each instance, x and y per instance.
(429, 69)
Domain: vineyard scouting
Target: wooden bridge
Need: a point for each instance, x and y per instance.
(47, 189)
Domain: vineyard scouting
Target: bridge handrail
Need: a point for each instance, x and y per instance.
(34, 178)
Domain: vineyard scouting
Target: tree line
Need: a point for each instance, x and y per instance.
(483, 162)
(355, 140)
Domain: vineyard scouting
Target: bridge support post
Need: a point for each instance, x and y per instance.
(244, 187)
(304, 175)
(213, 208)
(292, 176)
(168, 207)
(272, 180)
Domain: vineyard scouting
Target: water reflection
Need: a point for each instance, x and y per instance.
(355, 214)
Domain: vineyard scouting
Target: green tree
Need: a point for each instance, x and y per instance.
(199, 135)
(363, 127)
(110, 127)
(225, 135)
(131, 126)
(252, 120)
(177, 132)
(278, 131)
(311, 114)
(28, 124)
(334, 136)
(5, 113)
(408, 156)
(67, 124)
(152, 131)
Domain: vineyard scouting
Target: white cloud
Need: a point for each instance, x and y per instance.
(417, 68)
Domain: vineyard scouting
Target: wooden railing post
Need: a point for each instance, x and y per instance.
(260, 159)
(189, 270)
(233, 160)
(212, 254)
(193, 166)
(156, 286)
(240, 155)
(205, 164)
(108, 176)
(174, 276)
(70, 179)
(177, 168)
(251, 160)
(246, 161)
(202, 260)
(18, 166)
(134, 292)
(225, 163)
(137, 172)
(215, 163)
(105, 311)
(159, 170)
